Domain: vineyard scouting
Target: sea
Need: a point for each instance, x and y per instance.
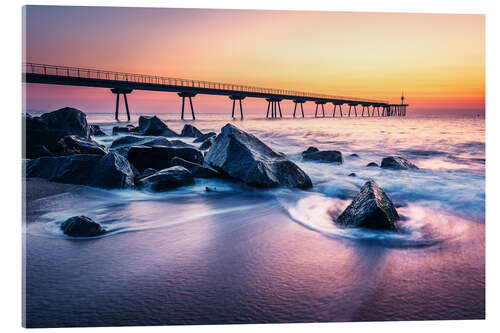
(244, 255)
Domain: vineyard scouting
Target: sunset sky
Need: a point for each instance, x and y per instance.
(438, 59)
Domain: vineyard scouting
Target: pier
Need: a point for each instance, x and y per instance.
(125, 83)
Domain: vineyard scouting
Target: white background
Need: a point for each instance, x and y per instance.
(10, 157)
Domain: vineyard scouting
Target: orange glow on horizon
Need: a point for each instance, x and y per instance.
(437, 59)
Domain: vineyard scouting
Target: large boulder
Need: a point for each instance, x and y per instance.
(371, 208)
(81, 226)
(71, 120)
(190, 131)
(167, 179)
(159, 157)
(242, 156)
(397, 163)
(73, 144)
(154, 126)
(43, 133)
(198, 171)
(109, 171)
(324, 156)
(204, 137)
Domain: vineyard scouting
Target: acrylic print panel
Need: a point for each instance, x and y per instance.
(197, 166)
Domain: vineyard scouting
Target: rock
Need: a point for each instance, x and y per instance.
(49, 128)
(131, 140)
(352, 174)
(159, 157)
(190, 131)
(244, 157)
(159, 141)
(397, 163)
(179, 144)
(324, 156)
(39, 151)
(95, 130)
(81, 226)
(124, 129)
(109, 171)
(167, 179)
(207, 143)
(73, 144)
(70, 120)
(372, 164)
(126, 141)
(204, 137)
(354, 155)
(198, 171)
(154, 126)
(371, 208)
(310, 150)
(148, 172)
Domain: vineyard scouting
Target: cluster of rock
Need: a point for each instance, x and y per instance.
(60, 149)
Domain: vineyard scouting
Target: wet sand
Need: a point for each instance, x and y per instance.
(253, 265)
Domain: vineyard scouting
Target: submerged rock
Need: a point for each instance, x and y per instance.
(126, 129)
(207, 143)
(352, 174)
(109, 171)
(198, 171)
(244, 157)
(190, 131)
(204, 137)
(159, 157)
(397, 163)
(371, 208)
(179, 144)
(354, 155)
(372, 164)
(73, 144)
(81, 226)
(132, 140)
(154, 126)
(167, 179)
(95, 130)
(324, 156)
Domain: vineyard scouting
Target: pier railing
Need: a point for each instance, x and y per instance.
(86, 73)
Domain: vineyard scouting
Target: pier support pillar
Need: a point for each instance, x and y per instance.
(237, 98)
(124, 92)
(275, 106)
(335, 109)
(301, 102)
(188, 95)
(355, 111)
(322, 103)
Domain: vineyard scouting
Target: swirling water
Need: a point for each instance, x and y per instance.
(241, 255)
